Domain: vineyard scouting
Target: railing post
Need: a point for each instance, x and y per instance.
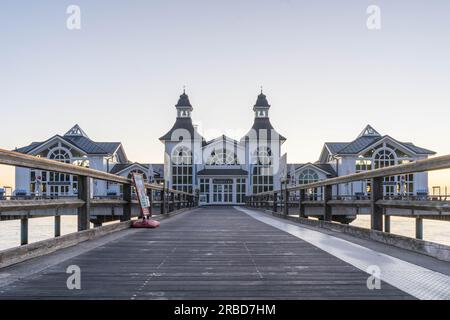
(163, 201)
(275, 204)
(127, 206)
(327, 194)
(84, 212)
(24, 231)
(150, 198)
(387, 223)
(301, 206)
(377, 211)
(419, 228)
(172, 200)
(286, 202)
(57, 225)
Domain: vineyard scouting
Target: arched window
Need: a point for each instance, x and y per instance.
(222, 157)
(55, 183)
(181, 155)
(60, 155)
(308, 176)
(384, 158)
(381, 156)
(130, 175)
(264, 156)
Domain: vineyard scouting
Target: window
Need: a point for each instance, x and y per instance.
(240, 190)
(309, 176)
(182, 169)
(382, 156)
(262, 172)
(60, 182)
(222, 157)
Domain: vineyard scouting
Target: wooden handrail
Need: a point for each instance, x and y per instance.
(432, 164)
(18, 159)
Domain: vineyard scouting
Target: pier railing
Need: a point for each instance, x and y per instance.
(121, 208)
(340, 208)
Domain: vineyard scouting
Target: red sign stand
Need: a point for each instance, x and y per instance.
(144, 203)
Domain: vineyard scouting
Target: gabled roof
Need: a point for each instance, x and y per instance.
(365, 139)
(261, 125)
(359, 144)
(78, 138)
(221, 138)
(325, 167)
(180, 124)
(334, 147)
(28, 148)
(158, 168)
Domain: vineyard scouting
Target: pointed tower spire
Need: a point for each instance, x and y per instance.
(369, 131)
(76, 131)
(184, 107)
(261, 106)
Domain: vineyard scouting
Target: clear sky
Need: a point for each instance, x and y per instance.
(325, 74)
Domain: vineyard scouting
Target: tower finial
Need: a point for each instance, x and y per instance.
(184, 89)
(261, 89)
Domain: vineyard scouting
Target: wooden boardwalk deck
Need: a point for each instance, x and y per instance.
(209, 253)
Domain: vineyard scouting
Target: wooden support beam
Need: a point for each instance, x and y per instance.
(172, 202)
(84, 194)
(275, 200)
(327, 196)
(127, 206)
(301, 206)
(24, 231)
(387, 223)
(419, 228)
(150, 198)
(376, 211)
(57, 225)
(163, 201)
(286, 202)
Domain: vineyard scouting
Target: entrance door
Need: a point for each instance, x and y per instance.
(222, 193)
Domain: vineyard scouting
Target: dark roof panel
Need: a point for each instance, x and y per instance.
(109, 147)
(261, 124)
(181, 123)
(183, 101)
(417, 149)
(261, 101)
(222, 172)
(359, 144)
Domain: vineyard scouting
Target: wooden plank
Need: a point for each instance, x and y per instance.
(222, 253)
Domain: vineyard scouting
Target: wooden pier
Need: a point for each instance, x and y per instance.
(275, 248)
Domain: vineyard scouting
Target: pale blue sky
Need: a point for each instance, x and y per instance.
(325, 74)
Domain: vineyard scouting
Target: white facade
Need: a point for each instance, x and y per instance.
(224, 170)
